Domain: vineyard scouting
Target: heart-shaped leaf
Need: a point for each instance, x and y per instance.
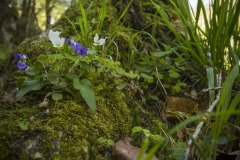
(85, 88)
(32, 71)
(30, 85)
(42, 58)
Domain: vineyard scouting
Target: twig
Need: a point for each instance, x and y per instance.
(199, 126)
(139, 106)
(215, 88)
(161, 82)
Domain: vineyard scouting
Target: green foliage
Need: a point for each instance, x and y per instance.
(55, 70)
(102, 140)
(215, 48)
(151, 152)
(85, 88)
(147, 134)
(23, 126)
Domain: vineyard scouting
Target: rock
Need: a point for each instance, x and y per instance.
(123, 150)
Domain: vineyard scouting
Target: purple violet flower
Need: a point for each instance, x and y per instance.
(69, 41)
(21, 64)
(44, 112)
(77, 47)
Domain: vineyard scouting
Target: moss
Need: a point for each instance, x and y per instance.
(66, 131)
(69, 123)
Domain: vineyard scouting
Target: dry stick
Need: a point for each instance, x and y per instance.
(199, 126)
(161, 82)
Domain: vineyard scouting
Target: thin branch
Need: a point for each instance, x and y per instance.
(161, 82)
(215, 88)
(199, 126)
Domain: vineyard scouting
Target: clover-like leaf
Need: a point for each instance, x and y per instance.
(37, 65)
(57, 96)
(23, 126)
(53, 78)
(136, 129)
(42, 58)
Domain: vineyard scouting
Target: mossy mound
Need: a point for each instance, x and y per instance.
(67, 129)
(70, 129)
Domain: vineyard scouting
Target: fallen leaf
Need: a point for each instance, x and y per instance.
(44, 103)
(181, 105)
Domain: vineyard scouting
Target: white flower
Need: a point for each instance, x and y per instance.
(56, 40)
(97, 41)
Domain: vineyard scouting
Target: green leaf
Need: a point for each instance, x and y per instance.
(42, 58)
(32, 71)
(72, 76)
(52, 58)
(146, 132)
(210, 78)
(163, 53)
(30, 85)
(121, 86)
(145, 69)
(48, 94)
(101, 140)
(53, 78)
(175, 89)
(91, 51)
(20, 81)
(73, 58)
(232, 137)
(60, 85)
(23, 126)
(85, 65)
(37, 65)
(57, 96)
(69, 91)
(85, 88)
(155, 137)
(146, 76)
(110, 142)
(223, 139)
(59, 56)
(178, 152)
(154, 97)
(136, 129)
(173, 74)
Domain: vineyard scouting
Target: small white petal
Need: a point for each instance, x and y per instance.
(101, 41)
(58, 42)
(95, 44)
(96, 38)
(53, 34)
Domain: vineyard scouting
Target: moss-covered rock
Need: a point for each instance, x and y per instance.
(69, 130)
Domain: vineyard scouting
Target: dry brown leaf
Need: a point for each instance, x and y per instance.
(180, 133)
(44, 103)
(177, 104)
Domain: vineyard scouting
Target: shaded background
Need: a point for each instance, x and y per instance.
(21, 19)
